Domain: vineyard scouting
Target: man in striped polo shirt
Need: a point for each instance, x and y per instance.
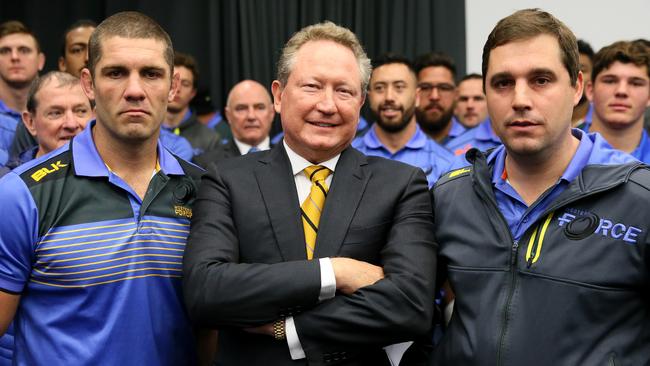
(94, 233)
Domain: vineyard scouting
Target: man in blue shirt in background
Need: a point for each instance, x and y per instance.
(620, 93)
(395, 134)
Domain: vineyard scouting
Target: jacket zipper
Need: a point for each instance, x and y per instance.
(514, 250)
(535, 242)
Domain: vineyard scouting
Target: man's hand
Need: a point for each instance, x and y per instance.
(352, 274)
(266, 329)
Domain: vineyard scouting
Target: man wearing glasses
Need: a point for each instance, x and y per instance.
(437, 94)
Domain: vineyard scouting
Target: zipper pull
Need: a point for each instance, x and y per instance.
(513, 257)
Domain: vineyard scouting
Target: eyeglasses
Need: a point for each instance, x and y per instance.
(443, 88)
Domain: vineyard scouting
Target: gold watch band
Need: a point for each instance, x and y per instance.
(279, 329)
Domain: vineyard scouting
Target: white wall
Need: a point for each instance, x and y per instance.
(598, 22)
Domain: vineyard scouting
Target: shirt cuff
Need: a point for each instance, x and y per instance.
(327, 280)
(295, 348)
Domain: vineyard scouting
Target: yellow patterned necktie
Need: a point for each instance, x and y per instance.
(313, 206)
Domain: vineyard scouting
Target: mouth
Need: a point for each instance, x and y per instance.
(522, 124)
(390, 111)
(135, 112)
(322, 124)
(619, 107)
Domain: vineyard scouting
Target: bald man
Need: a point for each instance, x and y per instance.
(250, 113)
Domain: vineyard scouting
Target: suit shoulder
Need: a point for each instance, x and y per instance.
(193, 171)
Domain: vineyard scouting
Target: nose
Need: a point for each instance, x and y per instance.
(622, 89)
(14, 54)
(134, 91)
(251, 114)
(521, 99)
(326, 104)
(435, 94)
(390, 93)
(70, 121)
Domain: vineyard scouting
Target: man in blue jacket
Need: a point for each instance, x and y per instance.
(545, 239)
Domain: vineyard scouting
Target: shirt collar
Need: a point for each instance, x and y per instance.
(88, 162)
(457, 128)
(244, 147)
(577, 163)
(298, 163)
(484, 132)
(639, 151)
(417, 141)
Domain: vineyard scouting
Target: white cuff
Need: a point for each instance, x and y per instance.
(327, 280)
(295, 348)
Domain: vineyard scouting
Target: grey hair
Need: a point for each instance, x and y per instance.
(63, 78)
(325, 31)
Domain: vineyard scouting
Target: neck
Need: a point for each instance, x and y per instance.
(175, 118)
(626, 139)
(15, 99)
(531, 175)
(395, 141)
(134, 162)
(579, 113)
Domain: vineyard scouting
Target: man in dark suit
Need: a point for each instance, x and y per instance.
(250, 113)
(284, 285)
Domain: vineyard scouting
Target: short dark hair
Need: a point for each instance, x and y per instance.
(623, 51)
(392, 58)
(528, 23)
(432, 59)
(584, 48)
(128, 24)
(185, 60)
(16, 27)
(83, 23)
(471, 76)
(63, 78)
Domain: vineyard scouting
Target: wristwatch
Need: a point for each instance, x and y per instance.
(278, 329)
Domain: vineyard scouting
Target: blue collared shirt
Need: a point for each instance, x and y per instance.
(481, 137)
(593, 149)
(419, 151)
(117, 263)
(456, 129)
(9, 119)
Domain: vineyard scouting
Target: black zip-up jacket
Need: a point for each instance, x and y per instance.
(574, 290)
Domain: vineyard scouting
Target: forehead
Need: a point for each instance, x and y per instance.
(436, 73)
(621, 69)
(527, 55)
(394, 71)
(326, 60)
(584, 59)
(471, 86)
(79, 35)
(51, 93)
(18, 39)
(132, 52)
(250, 94)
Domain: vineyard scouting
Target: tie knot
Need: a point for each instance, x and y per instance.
(317, 173)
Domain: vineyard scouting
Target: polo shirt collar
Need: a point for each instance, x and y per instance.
(88, 162)
(417, 141)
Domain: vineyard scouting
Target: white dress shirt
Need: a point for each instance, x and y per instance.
(244, 147)
(327, 278)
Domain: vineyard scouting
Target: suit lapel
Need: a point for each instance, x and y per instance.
(234, 149)
(348, 185)
(276, 182)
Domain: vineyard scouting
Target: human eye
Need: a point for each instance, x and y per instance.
(114, 73)
(425, 87)
(81, 111)
(153, 74)
(77, 49)
(345, 91)
(400, 87)
(5, 50)
(639, 82)
(53, 114)
(445, 88)
(463, 99)
(502, 83)
(260, 107)
(609, 80)
(24, 50)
